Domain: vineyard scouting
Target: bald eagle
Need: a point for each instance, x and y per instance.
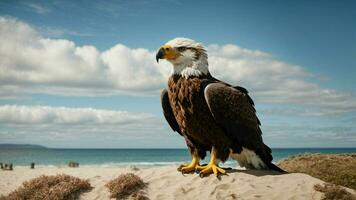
(210, 114)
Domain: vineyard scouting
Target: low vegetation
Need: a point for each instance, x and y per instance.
(332, 192)
(127, 186)
(140, 195)
(59, 187)
(338, 169)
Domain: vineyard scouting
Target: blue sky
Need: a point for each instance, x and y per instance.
(296, 58)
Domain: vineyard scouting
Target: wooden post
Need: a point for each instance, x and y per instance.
(10, 166)
(33, 165)
(2, 167)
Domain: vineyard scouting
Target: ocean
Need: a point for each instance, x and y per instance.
(128, 157)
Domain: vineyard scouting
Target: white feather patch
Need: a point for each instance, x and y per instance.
(187, 72)
(248, 159)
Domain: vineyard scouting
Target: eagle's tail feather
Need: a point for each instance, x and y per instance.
(250, 160)
(274, 167)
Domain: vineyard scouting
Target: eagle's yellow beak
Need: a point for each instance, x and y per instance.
(167, 52)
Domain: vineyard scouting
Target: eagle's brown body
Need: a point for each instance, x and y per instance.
(211, 115)
(197, 125)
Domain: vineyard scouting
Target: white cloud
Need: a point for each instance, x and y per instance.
(37, 115)
(274, 81)
(37, 64)
(58, 32)
(134, 69)
(40, 9)
(31, 63)
(84, 127)
(310, 135)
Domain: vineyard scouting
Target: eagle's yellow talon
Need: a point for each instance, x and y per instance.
(187, 168)
(215, 171)
(210, 168)
(222, 171)
(199, 168)
(181, 166)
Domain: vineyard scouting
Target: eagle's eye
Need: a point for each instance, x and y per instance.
(181, 48)
(167, 49)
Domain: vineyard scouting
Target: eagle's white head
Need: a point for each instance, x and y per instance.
(188, 57)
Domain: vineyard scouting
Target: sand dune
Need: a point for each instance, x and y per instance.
(167, 183)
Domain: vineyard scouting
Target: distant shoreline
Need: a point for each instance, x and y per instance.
(22, 146)
(37, 146)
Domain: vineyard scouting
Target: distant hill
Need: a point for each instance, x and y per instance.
(21, 146)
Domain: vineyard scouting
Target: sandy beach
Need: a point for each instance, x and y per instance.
(166, 183)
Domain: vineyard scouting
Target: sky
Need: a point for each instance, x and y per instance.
(82, 74)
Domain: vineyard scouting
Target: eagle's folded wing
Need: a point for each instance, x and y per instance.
(234, 111)
(168, 113)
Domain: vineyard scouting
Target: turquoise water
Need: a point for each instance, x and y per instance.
(129, 157)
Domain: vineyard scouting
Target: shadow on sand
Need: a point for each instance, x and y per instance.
(254, 172)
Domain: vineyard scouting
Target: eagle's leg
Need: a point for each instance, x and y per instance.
(212, 167)
(187, 168)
